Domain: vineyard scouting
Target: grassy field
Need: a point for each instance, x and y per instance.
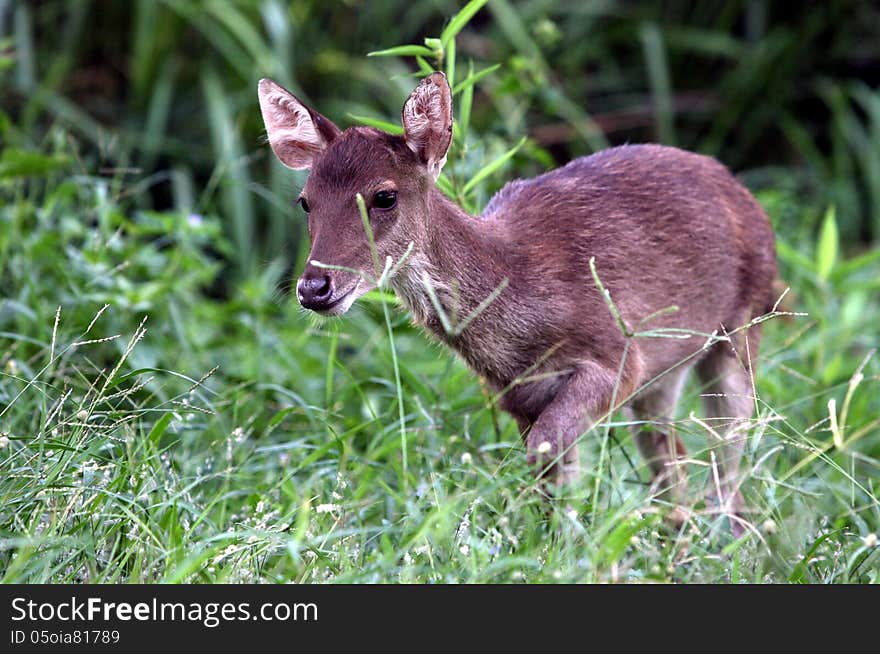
(169, 414)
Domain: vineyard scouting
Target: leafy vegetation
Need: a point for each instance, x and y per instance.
(167, 413)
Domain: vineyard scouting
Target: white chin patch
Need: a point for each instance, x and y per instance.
(345, 303)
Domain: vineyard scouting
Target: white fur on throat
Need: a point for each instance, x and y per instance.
(410, 284)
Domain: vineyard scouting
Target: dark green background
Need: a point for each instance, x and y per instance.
(784, 95)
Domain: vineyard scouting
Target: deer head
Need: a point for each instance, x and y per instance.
(394, 175)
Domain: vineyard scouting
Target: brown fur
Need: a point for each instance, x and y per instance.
(666, 227)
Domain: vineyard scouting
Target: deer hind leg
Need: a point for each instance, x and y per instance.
(654, 434)
(728, 401)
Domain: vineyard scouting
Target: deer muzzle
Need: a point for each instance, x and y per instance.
(319, 292)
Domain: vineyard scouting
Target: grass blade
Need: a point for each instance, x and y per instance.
(459, 21)
(403, 51)
(385, 126)
(491, 167)
(827, 246)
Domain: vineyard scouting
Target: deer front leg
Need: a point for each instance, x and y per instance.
(551, 443)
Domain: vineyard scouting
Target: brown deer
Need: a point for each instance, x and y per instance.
(684, 260)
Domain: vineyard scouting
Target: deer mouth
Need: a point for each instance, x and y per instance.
(341, 303)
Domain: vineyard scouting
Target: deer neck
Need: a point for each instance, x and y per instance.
(455, 266)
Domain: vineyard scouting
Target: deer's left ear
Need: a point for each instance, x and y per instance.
(427, 121)
(297, 133)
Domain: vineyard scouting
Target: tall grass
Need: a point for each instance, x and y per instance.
(170, 84)
(161, 421)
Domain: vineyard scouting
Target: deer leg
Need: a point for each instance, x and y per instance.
(551, 443)
(729, 402)
(657, 441)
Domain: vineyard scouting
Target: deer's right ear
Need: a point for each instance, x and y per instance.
(427, 121)
(297, 133)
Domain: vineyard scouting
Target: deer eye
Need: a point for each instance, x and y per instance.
(303, 203)
(385, 199)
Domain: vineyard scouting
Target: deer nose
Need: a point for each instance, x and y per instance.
(315, 292)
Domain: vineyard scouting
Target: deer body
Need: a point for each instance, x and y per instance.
(666, 228)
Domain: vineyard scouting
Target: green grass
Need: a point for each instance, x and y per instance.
(163, 418)
(172, 437)
(169, 85)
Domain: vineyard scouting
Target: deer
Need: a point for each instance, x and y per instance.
(633, 240)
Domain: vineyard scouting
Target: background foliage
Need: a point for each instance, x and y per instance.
(237, 440)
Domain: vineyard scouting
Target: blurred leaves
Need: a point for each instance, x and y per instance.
(828, 245)
(24, 163)
(134, 169)
(170, 84)
(491, 167)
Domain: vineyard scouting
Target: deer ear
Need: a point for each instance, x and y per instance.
(427, 121)
(297, 133)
